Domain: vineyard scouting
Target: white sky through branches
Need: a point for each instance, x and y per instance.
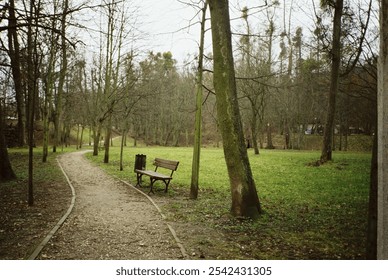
(172, 25)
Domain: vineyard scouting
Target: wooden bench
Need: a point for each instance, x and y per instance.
(155, 176)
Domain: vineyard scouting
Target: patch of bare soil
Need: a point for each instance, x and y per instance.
(22, 227)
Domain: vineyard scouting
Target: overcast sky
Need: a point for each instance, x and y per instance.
(171, 25)
(167, 23)
(160, 27)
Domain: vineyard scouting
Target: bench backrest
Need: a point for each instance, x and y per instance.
(165, 163)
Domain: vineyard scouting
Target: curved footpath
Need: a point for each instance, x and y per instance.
(110, 220)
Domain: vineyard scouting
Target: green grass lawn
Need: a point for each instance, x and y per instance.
(309, 212)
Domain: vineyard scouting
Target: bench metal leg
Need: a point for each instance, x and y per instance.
(151, 186)
(138, 179)
(167, 182)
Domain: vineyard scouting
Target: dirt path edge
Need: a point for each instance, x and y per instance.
(44, 242)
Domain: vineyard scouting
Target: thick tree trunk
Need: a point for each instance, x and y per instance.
(255, 143)
(6, 171)
(96, 139)
(327, 148)
(382, 103)
(245, 201)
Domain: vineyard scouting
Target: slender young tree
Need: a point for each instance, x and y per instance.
(109, 73)
(326, 154)
(382, 171)
(14, 54)
(198, 113)
(245, 201)
(32, 89)
(49, 80)
(62, 76)
(371, 250)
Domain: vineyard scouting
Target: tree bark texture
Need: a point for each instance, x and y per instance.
(254, 132)
(371, 250)
(14, 54)
(62, 77)
(6, 171)
(32, 69)
(327, 148)
(382, 103)
(198, 113)
(245, 201)
(49, 88)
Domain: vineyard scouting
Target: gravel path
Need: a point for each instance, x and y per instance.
(109, 221)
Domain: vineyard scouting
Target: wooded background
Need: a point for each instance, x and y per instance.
(282, 71)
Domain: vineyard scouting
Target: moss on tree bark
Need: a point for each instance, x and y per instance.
(245, 201)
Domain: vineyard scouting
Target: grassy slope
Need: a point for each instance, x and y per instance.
(310, 212)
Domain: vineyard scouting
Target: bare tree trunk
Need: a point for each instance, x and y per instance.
(254, 131)
(245, 201)
(110, 87)
(49, 85)
(6, 171)
(382, 189)
(269, 137)
(123, 140)
(198, 114)
(77, 141)
(371, 250)
(90, 135)
(96, 139)
(32, 69)
(46, 125)
(82, 137)
(327, 148)
(62, 76)
(14, 54)
(107, 140)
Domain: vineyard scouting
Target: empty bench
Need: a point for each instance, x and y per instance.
(171, 165)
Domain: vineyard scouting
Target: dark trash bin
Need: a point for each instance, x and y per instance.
(140, 162)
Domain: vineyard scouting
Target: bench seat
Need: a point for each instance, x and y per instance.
(155, 176)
